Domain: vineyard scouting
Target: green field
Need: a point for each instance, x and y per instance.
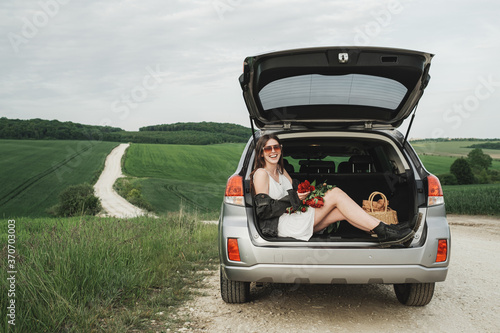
(194, 177)
(451, 148)
(438, 156)
(34, 172)
(172, 176)
(438, 165)
(472, 199)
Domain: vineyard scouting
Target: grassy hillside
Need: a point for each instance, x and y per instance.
(34, 172)
(455, 148)
(438, 156)
(438, 164)
(171, 175)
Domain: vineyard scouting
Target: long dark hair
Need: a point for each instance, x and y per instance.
(259, 161)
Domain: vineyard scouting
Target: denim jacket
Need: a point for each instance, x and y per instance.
(269, 210)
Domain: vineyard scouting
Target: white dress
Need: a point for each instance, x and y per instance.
(297, 225)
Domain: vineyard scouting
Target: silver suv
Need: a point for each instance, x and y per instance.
(336, 111)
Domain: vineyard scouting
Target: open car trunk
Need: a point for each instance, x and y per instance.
(359, 164)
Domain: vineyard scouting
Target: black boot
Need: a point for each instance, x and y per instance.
(390, 235)
(414, 225)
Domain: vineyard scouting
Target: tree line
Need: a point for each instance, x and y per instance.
(210, 127)
(474, 169)
(40, 129)
(486, 145)
(202, 133)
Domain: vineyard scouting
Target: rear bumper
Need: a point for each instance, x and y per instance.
(335, 274)
(330, 262)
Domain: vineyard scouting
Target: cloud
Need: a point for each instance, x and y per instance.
(89, 58)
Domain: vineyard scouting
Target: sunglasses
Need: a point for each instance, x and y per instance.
(268, 149)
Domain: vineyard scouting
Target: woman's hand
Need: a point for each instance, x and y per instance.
(304, 195)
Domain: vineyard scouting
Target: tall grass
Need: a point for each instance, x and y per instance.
(90, 274)
(472, 199)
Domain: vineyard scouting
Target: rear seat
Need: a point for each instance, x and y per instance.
(357, 177)
(357, 164)
(361, 164)
(314, 167)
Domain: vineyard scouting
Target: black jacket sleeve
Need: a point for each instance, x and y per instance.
(268, 210)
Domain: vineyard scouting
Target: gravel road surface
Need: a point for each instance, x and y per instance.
(468, 301)
(112, 203)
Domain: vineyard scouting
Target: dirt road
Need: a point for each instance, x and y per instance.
(113, 204)
(468, 301)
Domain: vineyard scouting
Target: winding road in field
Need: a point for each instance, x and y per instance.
(112, 203)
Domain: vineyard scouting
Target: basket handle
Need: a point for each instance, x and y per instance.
(372, 196)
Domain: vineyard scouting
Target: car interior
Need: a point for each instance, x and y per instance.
(359, 167)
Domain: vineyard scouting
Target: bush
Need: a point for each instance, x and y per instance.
(483, 177)
(494, 176)
(447, 179)
(77, 200)
(462, 171)
(131, 191)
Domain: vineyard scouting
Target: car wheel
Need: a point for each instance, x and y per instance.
(234, 291)
(414, 294)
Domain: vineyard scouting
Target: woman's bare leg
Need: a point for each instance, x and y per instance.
(332, 217)
(339, 206)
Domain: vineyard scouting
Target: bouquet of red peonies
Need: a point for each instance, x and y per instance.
(314, 199)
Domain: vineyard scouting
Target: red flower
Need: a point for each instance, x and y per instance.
(314, 199)
(305, 187)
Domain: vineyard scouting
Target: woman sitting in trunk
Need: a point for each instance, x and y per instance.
(274, 193)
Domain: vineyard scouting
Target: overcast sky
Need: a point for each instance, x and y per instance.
(133, 63)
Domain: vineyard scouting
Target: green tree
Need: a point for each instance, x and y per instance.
(478, 160)
(462, 171)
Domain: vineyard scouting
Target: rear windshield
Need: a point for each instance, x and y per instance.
(315, 89)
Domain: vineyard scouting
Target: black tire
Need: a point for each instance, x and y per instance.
(234, 291)
(414, 294)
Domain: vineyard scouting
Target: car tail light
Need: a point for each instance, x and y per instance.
(435, 193)
(442, 252)
(233, 252)
(234, 191)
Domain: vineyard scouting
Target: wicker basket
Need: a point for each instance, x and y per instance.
(380, 210)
